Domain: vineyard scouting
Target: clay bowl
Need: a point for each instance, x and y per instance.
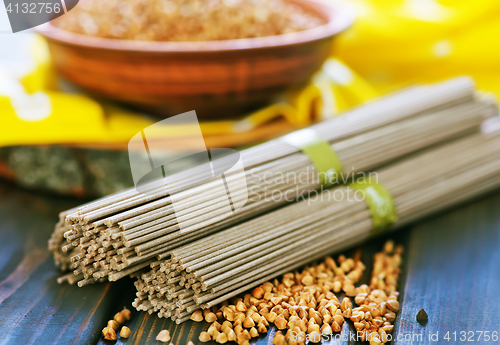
(218, 79)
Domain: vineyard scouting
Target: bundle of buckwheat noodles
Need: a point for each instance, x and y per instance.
(123, 233)
(208, 271)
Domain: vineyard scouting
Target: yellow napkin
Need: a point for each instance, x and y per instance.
(35, 112)
(394, 43)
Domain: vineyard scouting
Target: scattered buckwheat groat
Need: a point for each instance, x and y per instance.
(378, 303)
(204, 337)
(119, 318)
(197, 316)
(109, 332)
(163, 336)
(125, 332)
(422, 317)
(126, 314)
(113, 324)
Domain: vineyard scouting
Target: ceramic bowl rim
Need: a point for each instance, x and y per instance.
(338, 16)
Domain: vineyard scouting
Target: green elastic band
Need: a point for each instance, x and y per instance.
(380, 203)
(324, 159)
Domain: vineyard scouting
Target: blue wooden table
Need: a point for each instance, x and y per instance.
(451, 269)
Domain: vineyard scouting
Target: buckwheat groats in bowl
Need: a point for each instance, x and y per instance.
(187, 20)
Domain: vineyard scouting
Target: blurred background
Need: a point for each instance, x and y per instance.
(70, 104)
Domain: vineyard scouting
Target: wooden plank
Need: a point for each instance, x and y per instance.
(454, 274)
(33, 307)
(452, 271)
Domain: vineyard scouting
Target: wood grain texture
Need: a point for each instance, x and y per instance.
(33, 307)
(454, 274)
(450, 268)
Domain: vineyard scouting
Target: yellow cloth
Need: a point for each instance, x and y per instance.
(394, 43)
(35, 112)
